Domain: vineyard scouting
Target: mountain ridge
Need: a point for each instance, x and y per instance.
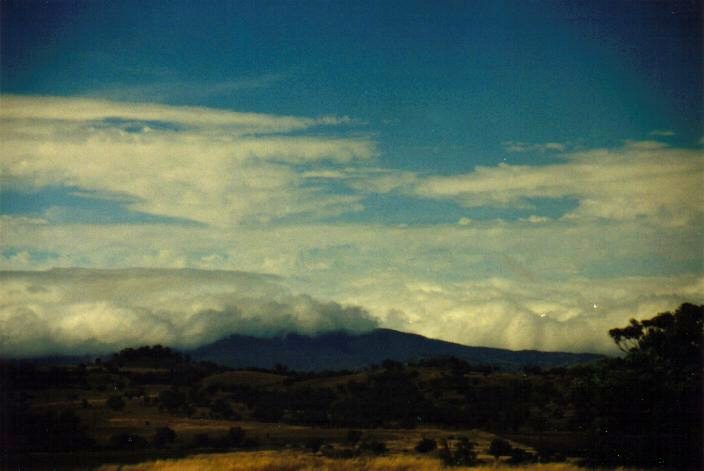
(343, 350)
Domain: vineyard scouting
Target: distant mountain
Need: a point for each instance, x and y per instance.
(341, 350)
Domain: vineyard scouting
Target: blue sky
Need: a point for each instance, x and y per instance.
(436, 148)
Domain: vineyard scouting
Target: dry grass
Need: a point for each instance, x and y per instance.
(297, 461)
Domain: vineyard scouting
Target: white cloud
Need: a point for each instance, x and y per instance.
(513, 313)
(75, 311)
(487, 283)
(29, 109)
(528, 283)
(222, 169)
(640, 179)
(662, 133)
(522, 147)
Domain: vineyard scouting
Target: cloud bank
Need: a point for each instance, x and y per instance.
(265, 193)
(215, 167)
(640, 179)
(75, 311)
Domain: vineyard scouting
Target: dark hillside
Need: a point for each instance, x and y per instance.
(340, 350)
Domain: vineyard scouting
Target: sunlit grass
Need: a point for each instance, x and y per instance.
(297, 461)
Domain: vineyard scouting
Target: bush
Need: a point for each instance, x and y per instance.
(201, 440)
(314, 443)
(426, 445)
(221, 409)
(519, 455)
(128, 441)
(163, 436)
(236, 436)
(171, 400)
(459, 453)
(500, 447)
(354, 436)
(374, 447)
(115, 403)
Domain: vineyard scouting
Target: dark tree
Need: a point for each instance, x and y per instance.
(163, 436)
(115, 402)
(171, 400)
(500, 447)
(459, 452)
(646, 407)
(236, 436)
(221, 409)
(128, 441)
(426, 445)
(374, 447)
(354, 436)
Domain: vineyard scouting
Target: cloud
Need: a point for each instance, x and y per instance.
(73, 311)
(519, 313)
(522, 147)
(486, 283)
(640, 179)
(366, 179)
(30, 109)
(662, 133)
(215, 167)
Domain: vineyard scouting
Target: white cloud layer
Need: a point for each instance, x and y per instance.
(216, 167)
(640, 179)
(74, 311)
(260, 184)
(478, 284)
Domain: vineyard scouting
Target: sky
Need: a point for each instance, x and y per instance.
(515, 174)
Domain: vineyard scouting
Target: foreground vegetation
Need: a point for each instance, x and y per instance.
(643, 409)
(292, 461)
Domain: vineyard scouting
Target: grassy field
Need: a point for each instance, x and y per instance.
(299, 461)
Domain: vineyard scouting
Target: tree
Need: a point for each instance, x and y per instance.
(649, 403)
(171, 399)
(500, 447)
(426, 445)
(236, 436)
(127, 441)
(115, 403)
(675, 337)
(163, 436)
(221, 409)
(459, 452)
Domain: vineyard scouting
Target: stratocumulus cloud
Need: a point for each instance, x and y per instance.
(75, 311)
(638, 180)
(211, 166)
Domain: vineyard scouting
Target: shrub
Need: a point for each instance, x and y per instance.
(314, 443)
(374, 447)
(500, 447)
(201, 440)
(236, 436)
(127, 441)
(519, 455)
(163, 436)
(115, 402)
(426, 445)
(221, 409)
(171, 400)
(459, 453)
(354, 436)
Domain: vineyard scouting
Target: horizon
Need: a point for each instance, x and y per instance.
(517, 175)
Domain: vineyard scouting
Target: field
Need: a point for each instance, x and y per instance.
(296, 461)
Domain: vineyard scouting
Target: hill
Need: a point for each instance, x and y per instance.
(341, 350)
